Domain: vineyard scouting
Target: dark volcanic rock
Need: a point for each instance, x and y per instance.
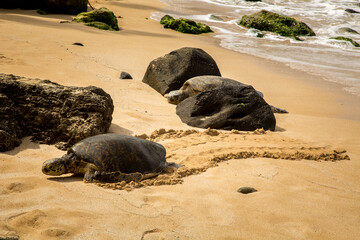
(125, 75)
(349, 10)
(49, 112)
(227, 107)
(246, 190)
(169, 72)
(53, 6)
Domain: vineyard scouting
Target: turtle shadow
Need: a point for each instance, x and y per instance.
(114, 128)
(64, 179)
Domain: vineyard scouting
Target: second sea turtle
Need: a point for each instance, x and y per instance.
(199, 84)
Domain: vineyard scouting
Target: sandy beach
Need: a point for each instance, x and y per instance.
(296, 198)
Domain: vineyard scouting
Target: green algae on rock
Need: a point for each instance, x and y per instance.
(99, 25)
(101, 18)
(348, 40)
(273, 22)
(184, 25)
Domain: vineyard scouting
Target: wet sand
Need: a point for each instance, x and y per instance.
(297, 199)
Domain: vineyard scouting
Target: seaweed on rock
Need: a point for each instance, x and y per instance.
(101, 18)
(347, 40)
(184, 25)
(273, 22)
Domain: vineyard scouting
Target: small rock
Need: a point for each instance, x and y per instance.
(351, 10)
(246, 190)
(64, 21)
(348, 30)
(216, 18)
(125, 75)
(78, 44)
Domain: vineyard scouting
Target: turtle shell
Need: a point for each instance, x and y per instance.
(204, 83)
(115, 152)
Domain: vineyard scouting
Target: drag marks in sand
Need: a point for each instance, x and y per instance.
(196, 151)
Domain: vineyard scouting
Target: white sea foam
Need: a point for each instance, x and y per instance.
(334, 60)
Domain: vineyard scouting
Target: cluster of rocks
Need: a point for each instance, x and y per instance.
(211, 101)
(49, 112)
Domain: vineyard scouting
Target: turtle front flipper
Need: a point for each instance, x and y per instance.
(112, 177)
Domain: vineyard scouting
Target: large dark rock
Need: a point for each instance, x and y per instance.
(273, 22)
(53, 6)
(169, 72)
(49, 112)
(227, 107)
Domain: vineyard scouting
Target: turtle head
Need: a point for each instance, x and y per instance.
(175, 97)
(54, 167)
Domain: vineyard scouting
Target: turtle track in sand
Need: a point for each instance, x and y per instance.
(198, 151)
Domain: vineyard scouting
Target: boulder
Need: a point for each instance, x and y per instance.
(101, 18)
(52, 6)
(273, 22)
(49, 112)
(349, 10)
(169, 72)
(237, 107)
(184, 25)
(125, 75)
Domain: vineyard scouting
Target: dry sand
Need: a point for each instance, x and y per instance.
(304, 199)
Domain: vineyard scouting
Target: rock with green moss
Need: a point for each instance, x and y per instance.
(101, 18)
(184, 25)
(347, 40)
(99, 25)
(273, 22)
(216, 18)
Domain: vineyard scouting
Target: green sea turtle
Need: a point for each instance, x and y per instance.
(199, 84)
(111, 158)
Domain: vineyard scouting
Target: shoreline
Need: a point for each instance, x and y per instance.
(296, 199)
(272, 49)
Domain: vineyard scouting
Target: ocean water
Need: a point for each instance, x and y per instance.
(331, 60)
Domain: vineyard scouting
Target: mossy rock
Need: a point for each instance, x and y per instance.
(101, 18)
(348, 40)
(273, 22)
(184, 25)
(216, 18)
(99, 25)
